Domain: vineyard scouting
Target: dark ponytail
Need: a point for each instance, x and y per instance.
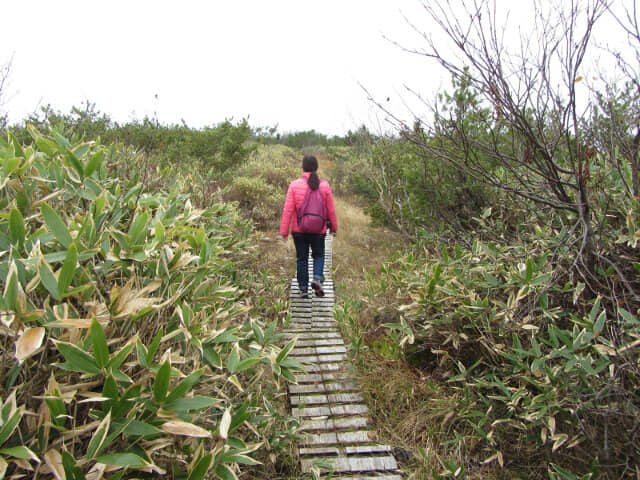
(310, 164)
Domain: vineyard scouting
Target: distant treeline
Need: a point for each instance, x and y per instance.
(176, 140)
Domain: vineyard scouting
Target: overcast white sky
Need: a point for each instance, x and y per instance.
(292, 63)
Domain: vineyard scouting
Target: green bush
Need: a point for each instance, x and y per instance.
(134, 353)
(260, 185)
(536, 371)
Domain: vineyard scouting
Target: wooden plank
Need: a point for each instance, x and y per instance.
(323, 387)
(342, 438)
(325, 399)
(336, 376)
(377, 477)
(324, 329)
(310, 412)
(320, 439)
(339, 357)
(308, 399)
(299, 325)
(353, 409)
(323, 325)
(322, 335)
(335, 423)
(349, 450)
(303, 351)
(330, 349)
(320, 342)
(360, 436)
(319, 358)
(353, 464)
(337, 410)
(308, 378)
(323, 377)
(323, 367)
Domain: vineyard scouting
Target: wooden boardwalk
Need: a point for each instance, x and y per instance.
(336, 430)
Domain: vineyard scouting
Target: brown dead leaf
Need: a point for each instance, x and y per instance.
(130, 301)
(178, 427)
(30, 340)
(53, 460)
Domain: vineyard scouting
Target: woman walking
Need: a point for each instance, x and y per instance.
(303, 203)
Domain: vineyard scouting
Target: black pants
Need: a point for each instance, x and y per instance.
(303, 241)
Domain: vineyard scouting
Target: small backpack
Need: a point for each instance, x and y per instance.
(312, 214)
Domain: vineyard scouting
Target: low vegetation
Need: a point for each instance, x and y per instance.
(134, 345)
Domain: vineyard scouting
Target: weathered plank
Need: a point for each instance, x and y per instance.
(377, 477)
(319, 335)
(323, 377)
(325, 399)
(335, 423)
(329, 438)
(337, 410)
(323, 387)
(353, 464)
(320, 342)
(317, 350)
(324, 367)
(320, 358)
(308, 399)
(348, 450)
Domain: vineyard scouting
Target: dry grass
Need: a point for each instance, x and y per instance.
(359, 248)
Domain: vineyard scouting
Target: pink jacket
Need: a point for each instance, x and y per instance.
(295, 195)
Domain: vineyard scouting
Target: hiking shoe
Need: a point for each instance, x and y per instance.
(317, 287)
(304, 294)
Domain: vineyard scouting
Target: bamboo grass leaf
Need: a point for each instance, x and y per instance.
(99, 436)
(161, 384)
(201, 468)
(184, 386)
(120, 356)
(56, 225)
(77, 359)
(21, 452)
(94, 163)
(68, 269)
(11, 287)
(47, 279)
(130, 460)
(17, 229)
(234, 359)
(285, 351)
(11, 416)
(183, 405)
(99, 340)
(226, 473)
(141, 429)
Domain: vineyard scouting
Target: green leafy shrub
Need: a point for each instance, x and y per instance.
(536, 370)
(134, 352)
(260, 185)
